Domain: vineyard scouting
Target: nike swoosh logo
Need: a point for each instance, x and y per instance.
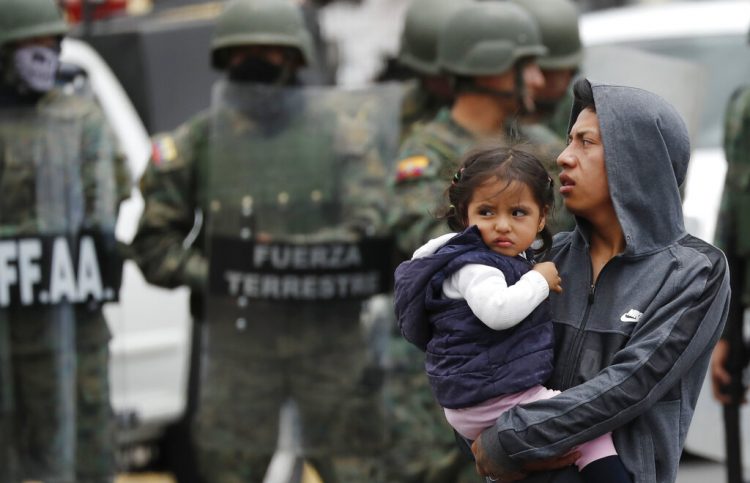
(631, 315)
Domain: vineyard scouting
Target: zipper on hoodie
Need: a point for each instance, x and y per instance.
(578, 342)
(575, 354)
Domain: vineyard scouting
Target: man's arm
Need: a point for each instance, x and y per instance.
(658, 354)
(161, 247)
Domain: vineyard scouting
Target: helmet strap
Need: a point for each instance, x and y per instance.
(468, 84)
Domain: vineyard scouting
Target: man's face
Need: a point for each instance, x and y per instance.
(534, 82)
(531, 76)
(583, 179)
(556, 83)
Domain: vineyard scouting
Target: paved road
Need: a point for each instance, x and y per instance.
(692, 470)
(698, 470)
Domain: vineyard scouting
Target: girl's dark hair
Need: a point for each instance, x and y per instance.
(507, 164)
(583, 96)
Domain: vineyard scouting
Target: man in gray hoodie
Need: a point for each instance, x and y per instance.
(643, 303)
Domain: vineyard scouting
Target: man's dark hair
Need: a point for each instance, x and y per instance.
(583, 96)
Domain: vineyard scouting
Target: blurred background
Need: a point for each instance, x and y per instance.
(148, 62)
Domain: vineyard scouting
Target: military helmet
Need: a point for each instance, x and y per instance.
(422, 25)
(558, 23)
(487, 38)
(260, 22)
(25, 19)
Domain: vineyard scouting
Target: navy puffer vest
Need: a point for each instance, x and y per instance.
(466, 361)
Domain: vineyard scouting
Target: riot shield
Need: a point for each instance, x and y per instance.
(296, 241)
(57, 217)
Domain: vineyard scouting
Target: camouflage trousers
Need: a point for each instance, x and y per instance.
(423, 448)
(340, 429)
(35, 445)
(240, 467)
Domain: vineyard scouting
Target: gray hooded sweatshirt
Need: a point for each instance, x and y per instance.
(632, 349)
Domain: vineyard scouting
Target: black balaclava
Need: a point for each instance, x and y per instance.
(257, 70)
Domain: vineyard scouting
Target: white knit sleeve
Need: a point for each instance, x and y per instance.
(495, 303)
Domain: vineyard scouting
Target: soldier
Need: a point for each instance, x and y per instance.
(489, 50)
(418, 53)
(558, 23)
(62, 182)
(730, 356)
(289, 185)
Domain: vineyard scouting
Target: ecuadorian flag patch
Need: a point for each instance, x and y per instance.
(411, 168)
(163, 150)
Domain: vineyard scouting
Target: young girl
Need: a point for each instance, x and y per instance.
(477, 305)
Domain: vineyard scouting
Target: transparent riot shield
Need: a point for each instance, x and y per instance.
(297, 240)
(57, 217)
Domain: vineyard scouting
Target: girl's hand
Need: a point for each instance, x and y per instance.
(549, 272)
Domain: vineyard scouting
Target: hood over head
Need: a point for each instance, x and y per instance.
(646, 153)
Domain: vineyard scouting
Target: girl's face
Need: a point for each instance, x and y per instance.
(508, 216)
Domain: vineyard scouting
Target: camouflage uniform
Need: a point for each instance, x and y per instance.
(49, 131)
(314, 352)
(31, 334)
(419, 106)
(306, 177)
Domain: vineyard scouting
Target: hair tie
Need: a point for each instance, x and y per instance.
(457, 176)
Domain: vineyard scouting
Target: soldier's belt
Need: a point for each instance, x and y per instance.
(314, 271)
(54, 269)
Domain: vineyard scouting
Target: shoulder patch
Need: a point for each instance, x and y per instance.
(412, 167)
(163, 150)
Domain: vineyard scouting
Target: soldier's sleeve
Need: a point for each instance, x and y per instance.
(161, 246)
(417, 189)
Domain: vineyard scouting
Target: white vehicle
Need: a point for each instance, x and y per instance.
(150, 326)
(705, 48)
